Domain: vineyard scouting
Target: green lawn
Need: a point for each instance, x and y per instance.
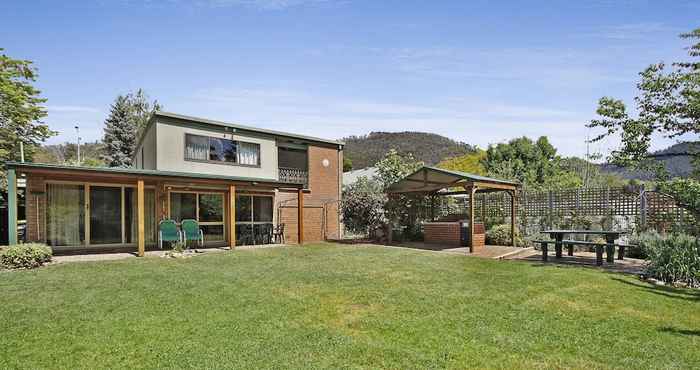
(331, 306)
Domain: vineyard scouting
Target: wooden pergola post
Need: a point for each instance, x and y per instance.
(472, 195)
(141, 215)
(512, 217)
(232, 216)
(300, 216)
(11, 206)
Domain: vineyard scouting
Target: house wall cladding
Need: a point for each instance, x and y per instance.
(35, 207)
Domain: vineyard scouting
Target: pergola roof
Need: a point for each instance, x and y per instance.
(432, 180)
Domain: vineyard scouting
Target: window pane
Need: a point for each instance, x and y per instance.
(249, 154)
(211, 208)
(244, 234)
(65, 217)
(213, 232)
(105, 215)
(183, 206)
(243, 208)
(263, 209)
(196, 147)
(262, 233)
(222, 150)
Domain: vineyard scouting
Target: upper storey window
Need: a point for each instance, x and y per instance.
(219, 150)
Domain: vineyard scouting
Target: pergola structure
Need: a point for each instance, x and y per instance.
(441, 182)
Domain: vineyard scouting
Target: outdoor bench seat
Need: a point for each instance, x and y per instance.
(598, 249)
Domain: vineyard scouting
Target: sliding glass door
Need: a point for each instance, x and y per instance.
(254, 219)
(110, 214)
(65, 217)
(105, 215)
(205, 207)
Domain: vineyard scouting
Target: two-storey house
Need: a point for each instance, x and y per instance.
(238, 182)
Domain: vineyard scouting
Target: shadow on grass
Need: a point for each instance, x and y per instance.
(671, 330)
(666, 291)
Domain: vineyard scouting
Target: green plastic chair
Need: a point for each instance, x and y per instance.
(168, 232)
(191, 231)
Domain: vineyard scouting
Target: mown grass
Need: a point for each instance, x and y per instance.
(333, 306)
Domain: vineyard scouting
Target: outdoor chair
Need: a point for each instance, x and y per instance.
(168, 232)
(191, 232)
(278, 234)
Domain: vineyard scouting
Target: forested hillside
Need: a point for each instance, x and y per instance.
(366, 150)
(677, 166)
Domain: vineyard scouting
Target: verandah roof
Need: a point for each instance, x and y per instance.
(433, 179)
(142, 173)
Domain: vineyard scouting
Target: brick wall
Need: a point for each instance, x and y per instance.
(36, 195)
(442, 233)
(321, 216)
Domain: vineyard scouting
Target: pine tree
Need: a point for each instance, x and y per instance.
(120, 133)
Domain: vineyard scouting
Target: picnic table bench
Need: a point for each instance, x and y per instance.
(559, 242)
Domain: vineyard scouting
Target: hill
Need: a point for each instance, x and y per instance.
(677, 166)
(366, 150)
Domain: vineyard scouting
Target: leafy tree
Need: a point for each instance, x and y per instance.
(120, 134)
(66, 153)
(347, 164)
(20, 110)
(128, 117)
(394, 167)
(534, 164)
(390, 169)
(668, 103)
(363, 206)
(143, 109)
(590, 174)
(470, 163)
(686, 192)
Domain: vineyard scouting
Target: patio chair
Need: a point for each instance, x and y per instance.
(168, 232)
(278, 234)
(191, 232)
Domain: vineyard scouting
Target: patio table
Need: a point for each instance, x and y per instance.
(610, 238)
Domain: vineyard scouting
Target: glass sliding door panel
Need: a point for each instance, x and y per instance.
(262, 209)
(131, 220)
(65, 215)
(211, 208)
(105, 215)
(244, 208)
(213, 233)
(244, 234)
(262, 233)
(183, 206)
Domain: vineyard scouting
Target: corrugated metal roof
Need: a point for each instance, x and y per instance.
(430, 179)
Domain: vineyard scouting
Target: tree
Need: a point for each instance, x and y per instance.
(363, 206)
(347, 164)
(668, 104)
(20, 110)
(469, 163)
(143, 109)
(390, 169)
(535, 164)
(120, 134)
(128, 117)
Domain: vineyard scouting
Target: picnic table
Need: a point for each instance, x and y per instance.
(610, 238)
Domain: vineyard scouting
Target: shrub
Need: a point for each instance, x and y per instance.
(500, 235)
(25, 255)
(363, 206)
(674, 258)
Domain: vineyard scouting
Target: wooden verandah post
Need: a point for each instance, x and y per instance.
(141, 215)
(232, 216)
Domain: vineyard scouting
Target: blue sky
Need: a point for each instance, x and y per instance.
(477, 71)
